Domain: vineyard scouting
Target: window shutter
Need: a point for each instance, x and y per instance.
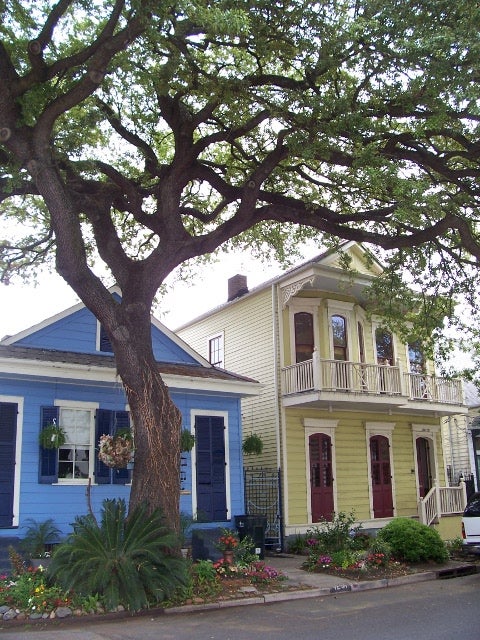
(104, 422)
(48, 463)
(121, 422)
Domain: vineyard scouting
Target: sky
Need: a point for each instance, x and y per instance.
(22, 306)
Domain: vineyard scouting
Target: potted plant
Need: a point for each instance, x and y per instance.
(252, 445)
(38, 541)
(116, 451)
(187, 440)
(227, 543)
(52, 436)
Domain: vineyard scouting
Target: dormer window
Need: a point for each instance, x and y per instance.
(104, 343)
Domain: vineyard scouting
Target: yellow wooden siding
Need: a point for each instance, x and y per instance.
(352, 481)
(247, 326)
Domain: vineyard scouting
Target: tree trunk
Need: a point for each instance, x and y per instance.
(156, 427)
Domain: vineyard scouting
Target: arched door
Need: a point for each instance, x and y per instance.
(424, 467)
(321, 477)
(381, 477)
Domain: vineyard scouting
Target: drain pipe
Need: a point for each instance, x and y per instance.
(276, 370)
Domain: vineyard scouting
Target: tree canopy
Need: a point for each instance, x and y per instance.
(177, 127)
(139, 134)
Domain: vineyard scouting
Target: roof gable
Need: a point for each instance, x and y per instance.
(76, 330)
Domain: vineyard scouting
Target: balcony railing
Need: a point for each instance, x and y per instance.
(370, 379)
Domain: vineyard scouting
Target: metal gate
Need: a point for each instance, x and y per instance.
(263, 497)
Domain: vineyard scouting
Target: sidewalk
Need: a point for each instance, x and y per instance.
(313, 585)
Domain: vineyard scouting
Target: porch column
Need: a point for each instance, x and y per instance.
(317, 370)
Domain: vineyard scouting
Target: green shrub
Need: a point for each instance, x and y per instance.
(336, 535)
(125, 561)
(297, 544)
(411, 541)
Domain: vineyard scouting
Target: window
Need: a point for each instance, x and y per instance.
(304, 341)
(76, 460)
(384, 345)
(339, 333)
(215, 351)
(416, 357)
(75, 455)
(104, 342)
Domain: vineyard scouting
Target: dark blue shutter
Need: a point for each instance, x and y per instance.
(104, 423)
(48, 466)
(121, 422)
(210, 464)
(109, 422)
(8, 434)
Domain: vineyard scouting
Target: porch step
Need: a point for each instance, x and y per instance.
(5, 566)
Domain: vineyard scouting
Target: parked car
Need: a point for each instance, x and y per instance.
(471, 525)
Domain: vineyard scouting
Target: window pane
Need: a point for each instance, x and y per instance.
(304, 343)
(384, 344)
(74, 456)
(416, 358)
(339, 333)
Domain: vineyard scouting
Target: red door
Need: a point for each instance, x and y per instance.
(423, 466)
(321, 479)
(381, 477)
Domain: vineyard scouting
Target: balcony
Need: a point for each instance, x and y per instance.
(318, 381)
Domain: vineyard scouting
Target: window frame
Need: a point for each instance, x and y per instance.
(220, 361)
(81, 406)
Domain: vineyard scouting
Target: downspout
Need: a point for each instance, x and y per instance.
(276, 371)
(452, 462)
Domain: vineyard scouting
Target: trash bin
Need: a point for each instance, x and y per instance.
(253, 526)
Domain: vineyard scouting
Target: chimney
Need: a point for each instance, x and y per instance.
(237, 287)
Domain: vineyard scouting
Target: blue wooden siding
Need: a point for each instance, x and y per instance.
(64, 502)
(77, 332)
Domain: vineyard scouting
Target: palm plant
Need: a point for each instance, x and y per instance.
(129, 561)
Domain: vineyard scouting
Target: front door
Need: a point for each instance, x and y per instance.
(210, 466)
(321, 477)
(8, 435)
(424, 467)
(381, 477)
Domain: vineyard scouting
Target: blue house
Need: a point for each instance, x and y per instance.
(63, 370)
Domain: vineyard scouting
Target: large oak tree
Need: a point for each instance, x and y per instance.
(136, 135)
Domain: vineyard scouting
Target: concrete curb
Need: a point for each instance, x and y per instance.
(283, 596)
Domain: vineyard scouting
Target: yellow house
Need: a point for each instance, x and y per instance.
(350, 416)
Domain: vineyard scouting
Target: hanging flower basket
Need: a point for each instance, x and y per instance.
(116, 451)
(252, 445)
(52, 436)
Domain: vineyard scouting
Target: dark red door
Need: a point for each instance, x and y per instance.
(321, 477)
(381, 477)
(423, 466)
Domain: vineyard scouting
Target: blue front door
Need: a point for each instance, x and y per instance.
(210, 463)
(8, 435)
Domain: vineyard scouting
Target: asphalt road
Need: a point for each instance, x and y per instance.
(434, 610)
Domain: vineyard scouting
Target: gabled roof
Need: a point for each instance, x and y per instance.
(326, 260)
(115, 290)
(24, 354)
